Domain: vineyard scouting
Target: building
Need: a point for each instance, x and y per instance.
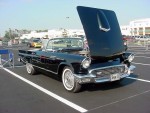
(140, 27)
(137, 27)
(125, 30)
(34, 34)
(54, 33)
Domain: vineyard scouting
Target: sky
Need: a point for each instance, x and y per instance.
(53, 14)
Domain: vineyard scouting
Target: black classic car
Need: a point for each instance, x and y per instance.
(105, 60)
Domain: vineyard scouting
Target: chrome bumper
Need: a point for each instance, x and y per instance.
(90, 78)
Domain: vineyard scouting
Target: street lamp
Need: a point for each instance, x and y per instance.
(19, 35)
(10, 42)
(68, 21)
(10, 34)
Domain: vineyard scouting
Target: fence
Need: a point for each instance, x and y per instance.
(135, 44)
(6, 57)
(0, 43)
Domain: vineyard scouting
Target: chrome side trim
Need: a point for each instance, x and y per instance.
(21, 60)
(45, 69)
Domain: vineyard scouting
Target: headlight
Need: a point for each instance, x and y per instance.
(86, 63)
(131, 57)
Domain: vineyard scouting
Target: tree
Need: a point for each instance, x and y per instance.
(7, 36)
(10, 34)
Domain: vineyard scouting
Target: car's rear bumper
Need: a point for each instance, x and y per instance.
(90, 78)
(38, 46)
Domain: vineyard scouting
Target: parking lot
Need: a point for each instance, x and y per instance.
(21, 93)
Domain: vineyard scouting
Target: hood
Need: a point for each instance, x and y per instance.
(102, 31)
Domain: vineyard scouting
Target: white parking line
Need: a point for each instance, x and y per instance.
(16, 66)
(127, 97)
(141, 64)
(63, 100)
(120, 100)
(143, 56)
(141, 53)
(138, 79)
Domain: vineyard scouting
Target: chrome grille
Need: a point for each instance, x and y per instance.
(104, 72)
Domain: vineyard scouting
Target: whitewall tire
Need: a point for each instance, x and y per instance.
(69, 80)
(30, 69)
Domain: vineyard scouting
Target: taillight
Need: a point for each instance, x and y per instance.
(125, 43)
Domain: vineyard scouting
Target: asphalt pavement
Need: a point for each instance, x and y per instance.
(22, 93)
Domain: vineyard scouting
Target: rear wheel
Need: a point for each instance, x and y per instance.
(69, 80)
(30, 69)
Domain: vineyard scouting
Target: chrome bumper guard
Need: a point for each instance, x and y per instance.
(90, 78)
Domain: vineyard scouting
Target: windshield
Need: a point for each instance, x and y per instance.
(65, 43)
(36, 40)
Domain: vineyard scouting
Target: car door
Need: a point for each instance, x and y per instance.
(38, 59)
(52, 61)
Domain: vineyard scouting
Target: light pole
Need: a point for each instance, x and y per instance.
(10, 34)
(18, 35)
(68, 25)
(10, 41)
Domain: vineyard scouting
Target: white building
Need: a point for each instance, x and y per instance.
(54, 33)
(66, 32)
(76, 33)
(140, 27)
(125, 30)
(137, 27)
(34, 34)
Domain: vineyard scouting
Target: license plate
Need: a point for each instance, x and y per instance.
(115, 77)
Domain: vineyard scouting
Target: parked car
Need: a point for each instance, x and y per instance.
(35, 42)
(125, 42)
(142, 38)
(25, 41)
(105, 61)
(44, 42)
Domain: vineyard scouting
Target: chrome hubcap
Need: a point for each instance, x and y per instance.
(68, 79)
(29, 68)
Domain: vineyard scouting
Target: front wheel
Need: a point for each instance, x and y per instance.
(69, 80)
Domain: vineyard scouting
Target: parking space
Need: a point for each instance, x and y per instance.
(134, 104)
(19, 97)
(131, 95)
(92, 95)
